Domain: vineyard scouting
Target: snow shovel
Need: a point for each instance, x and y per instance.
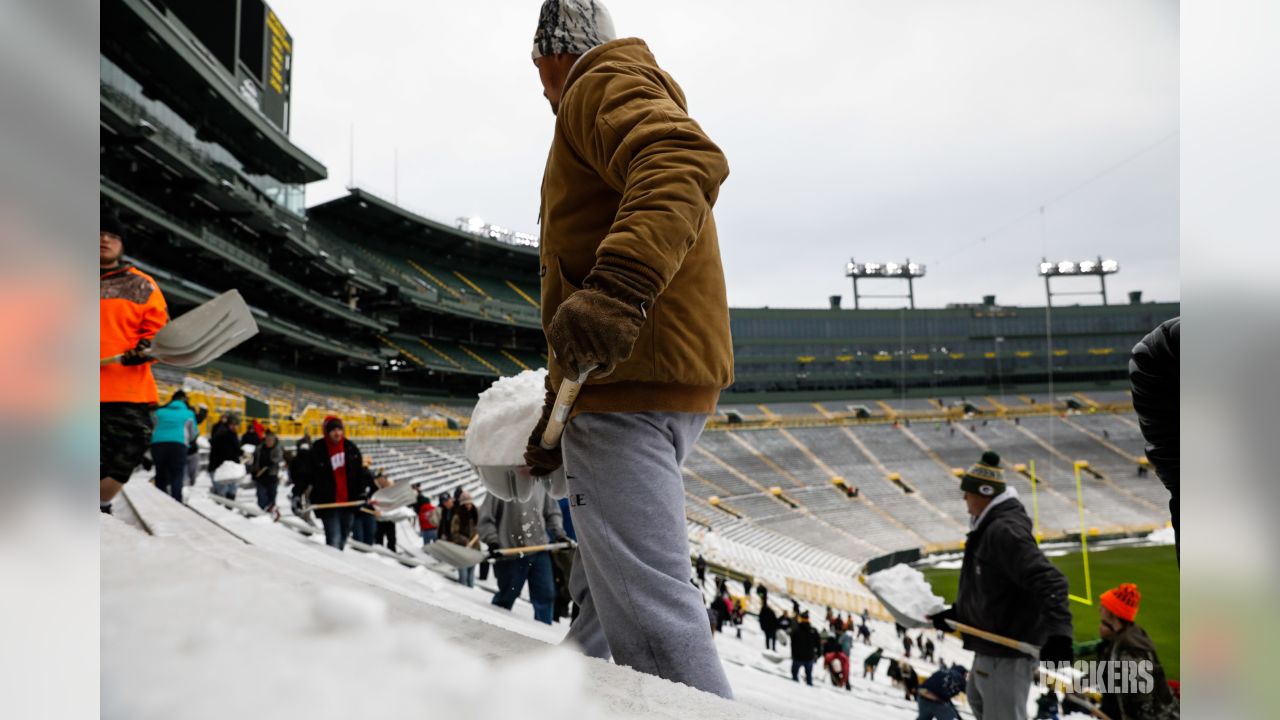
(203, 334)
(394, 496)
(454, 554)
(514, 482)
(899, 616)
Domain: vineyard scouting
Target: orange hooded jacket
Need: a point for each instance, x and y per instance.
(130, 307)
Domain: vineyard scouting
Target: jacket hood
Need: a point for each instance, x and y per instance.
(630, 51)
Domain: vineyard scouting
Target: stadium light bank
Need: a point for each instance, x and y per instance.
(908, 271)
(1070, 268)
(477, 226)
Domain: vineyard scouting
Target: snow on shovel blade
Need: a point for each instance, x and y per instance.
(454, 554)
(902, 618)
(906, 594)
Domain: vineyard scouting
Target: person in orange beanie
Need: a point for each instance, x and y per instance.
(1124, 640)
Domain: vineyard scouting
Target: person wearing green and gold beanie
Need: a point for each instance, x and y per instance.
(1007, 587)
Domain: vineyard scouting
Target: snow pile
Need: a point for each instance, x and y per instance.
(503, 419)
(1163, 536)
(202, 442)
(230, 471)
(241, 612)
(907, 590)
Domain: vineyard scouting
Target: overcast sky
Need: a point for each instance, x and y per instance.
(880, 130)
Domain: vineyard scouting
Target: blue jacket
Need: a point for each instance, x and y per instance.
(175, 423)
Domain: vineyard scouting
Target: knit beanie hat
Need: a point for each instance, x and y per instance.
(1122, 601)
(985, 476)
(331, 422)
(571, 27)
(109, 222)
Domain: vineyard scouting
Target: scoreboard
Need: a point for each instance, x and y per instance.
(248, 40)
(276, 71)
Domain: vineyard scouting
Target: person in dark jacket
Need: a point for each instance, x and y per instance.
(333, 471)
(266, 470)
(1154, 377)
(700, 566)
(224, 446)
(464, 522)
(1008, 587)
(870, 663)
(910, 679)
(175, 427)
(1123, 640)
(805, 645)
(769, 626)
(1047, 706)
(934, 697)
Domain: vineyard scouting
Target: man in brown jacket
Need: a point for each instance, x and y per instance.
(632, 285)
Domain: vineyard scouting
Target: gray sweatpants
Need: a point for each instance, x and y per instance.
(999, 687)
(630, 576)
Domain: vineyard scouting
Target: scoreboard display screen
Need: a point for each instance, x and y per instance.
(278, 48)
(249, 41)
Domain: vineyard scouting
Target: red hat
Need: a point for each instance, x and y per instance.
(1122, 601)
(331, 422)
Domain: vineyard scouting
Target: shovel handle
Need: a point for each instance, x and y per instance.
(112, 359)
(326, 506)
(532, 548)
(1018, 645)
(565, 397)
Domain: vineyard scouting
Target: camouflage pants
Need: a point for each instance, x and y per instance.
(124, 433)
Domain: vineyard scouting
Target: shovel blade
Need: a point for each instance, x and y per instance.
(205, 333)
(394, 497)
(454, 554)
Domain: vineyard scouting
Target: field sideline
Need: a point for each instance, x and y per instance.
(1154, 569)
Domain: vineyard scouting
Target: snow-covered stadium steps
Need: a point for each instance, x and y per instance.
(739, 455)
(792, 458)
(1123, 505)
(288, 622)
(835, 449)
(1117, 447)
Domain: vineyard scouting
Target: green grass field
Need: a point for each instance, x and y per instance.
(1154, 569)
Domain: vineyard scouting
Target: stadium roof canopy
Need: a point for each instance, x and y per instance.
(155, 48)
(371, 215)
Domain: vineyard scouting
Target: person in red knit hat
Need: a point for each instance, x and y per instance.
(1124, 641)
(333, 472)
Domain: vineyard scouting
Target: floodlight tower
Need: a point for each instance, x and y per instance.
(908, 271)
(1070, 268)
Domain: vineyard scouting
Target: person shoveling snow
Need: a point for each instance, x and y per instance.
(632, 285)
